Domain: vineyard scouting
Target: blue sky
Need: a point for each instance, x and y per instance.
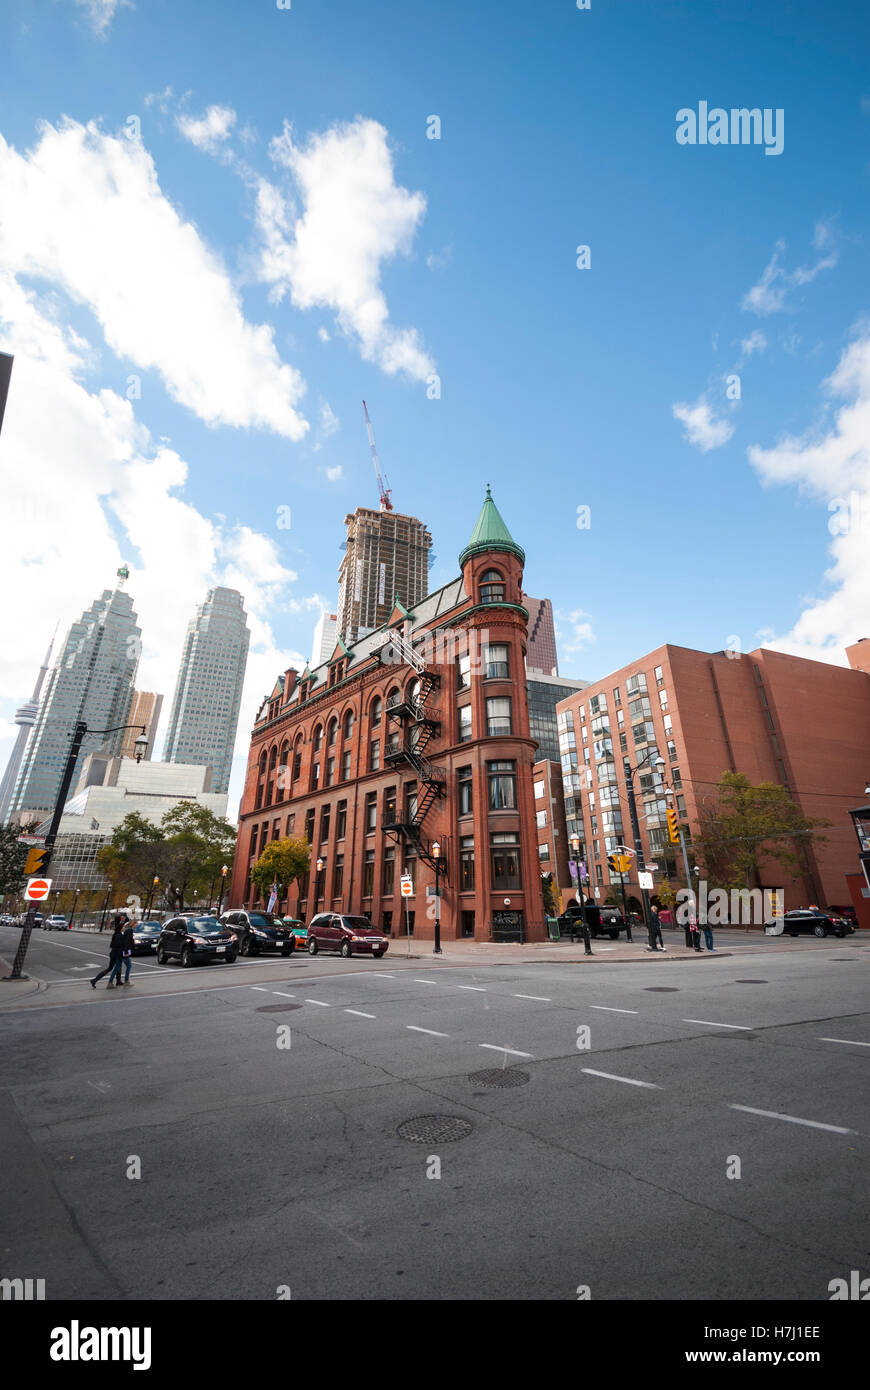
(557, 385)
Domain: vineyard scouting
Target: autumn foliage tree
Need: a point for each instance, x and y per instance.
(282, 862)
(744, 824)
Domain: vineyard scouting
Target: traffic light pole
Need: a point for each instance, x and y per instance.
(625, 906)
(638, 849)
(26, 931)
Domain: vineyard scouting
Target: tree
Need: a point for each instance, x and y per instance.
(198, 844)
(13, 857)
(550, 909)
(666, 895)
(745, 824)
(281, 862)
(134, 856)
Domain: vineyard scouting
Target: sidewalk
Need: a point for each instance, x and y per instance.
(11, 990)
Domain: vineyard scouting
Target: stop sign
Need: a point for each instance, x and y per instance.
(37, 889)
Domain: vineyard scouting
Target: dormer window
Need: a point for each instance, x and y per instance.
(492, 587)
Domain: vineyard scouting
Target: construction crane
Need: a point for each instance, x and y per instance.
(384, 492)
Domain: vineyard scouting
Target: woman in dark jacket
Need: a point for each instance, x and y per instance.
(116, 957)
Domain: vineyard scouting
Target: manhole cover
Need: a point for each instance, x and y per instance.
(500, 1076)
(750, 982)
(434, 1129)
(661, 989)
(277, 1008)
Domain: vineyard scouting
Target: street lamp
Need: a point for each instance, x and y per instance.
(224, 872)
(79, 733)
(73, 913)
(436, 855)
(154, 885)
(319, 867)
(652, 759)
(575, 845)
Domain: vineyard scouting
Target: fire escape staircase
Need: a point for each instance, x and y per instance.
(419, 725)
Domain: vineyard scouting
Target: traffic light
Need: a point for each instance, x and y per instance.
(673, 828)
(618, 863)
(35, 859)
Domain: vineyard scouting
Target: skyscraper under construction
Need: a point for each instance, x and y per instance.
(387, 555)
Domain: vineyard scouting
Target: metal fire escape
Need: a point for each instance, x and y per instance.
(418, 725)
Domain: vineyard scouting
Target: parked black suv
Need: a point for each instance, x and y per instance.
(804, 919)
(195, 938)
(260, 931)
(611, 924)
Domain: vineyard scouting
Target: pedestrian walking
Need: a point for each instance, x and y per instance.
(116, 957)
(655, 931)
(127, 954)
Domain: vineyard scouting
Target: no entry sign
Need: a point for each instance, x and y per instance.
(407, 887)
(37, 889)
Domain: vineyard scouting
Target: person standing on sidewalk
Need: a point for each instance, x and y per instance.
(590, 921)
(695, 932)
(708, 936)
(116, 956)
(127, 954)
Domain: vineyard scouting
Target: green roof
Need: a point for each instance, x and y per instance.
(490, 533)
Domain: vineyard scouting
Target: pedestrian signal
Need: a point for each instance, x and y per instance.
(673, 828)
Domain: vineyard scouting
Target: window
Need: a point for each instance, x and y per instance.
(368, 873)
(617, 698)
(659, 675)
(345, 765)
(297, 763)
(597, 705)
(371, 812)
(315, 776)
(663, 699)
(375, 709)
(676, 778)
(603, 750)
(502, 786)
(540, 790)
(639, 709)
(309, 826)
(541, 819)
(464, 723)
(497, 662)
(410, 802)
(411, 866)
(667, 721)
(492, 587)
(348, 725)
(390, 806)
(466, 864)
(464, 787)
(681, 805)
(324, 824)
(375, 755)
(392, 743)
(505, 857)
(330, 771)
(498, 717)
(636, 684)
(333, 732)
(318, 738)
(338, 875)
(543, 851)
(388, 871)
(291, 821)
(341, 820)
(463, 672)
(644, 732)
(672, 750)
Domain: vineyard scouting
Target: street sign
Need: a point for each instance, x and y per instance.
(31, 839)
(645, 880)
(37, 889)
(407, 887)
(652, 866)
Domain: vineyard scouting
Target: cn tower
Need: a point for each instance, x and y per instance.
(25, 719)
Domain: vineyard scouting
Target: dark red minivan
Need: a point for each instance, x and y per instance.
(350, 936)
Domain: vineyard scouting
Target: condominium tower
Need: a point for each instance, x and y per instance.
(92, 681)
(208, 693)
(386, 557)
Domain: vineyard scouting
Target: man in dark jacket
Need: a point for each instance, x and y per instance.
(127, 954)
(116, 957)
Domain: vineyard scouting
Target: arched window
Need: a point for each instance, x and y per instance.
(297, 758)
(332, 732)
(375, 710)
(348, 725)
(392, 697)
(283, 772)
(261, 779)
(492, 587)
(270, 785)
(318, 738)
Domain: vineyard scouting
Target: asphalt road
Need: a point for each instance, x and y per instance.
(612, 1164)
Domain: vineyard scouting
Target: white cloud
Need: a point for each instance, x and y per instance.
(832, 462)
(329, 421)
(756, 342)
(769, 295)
(84, 210)
(102, 12)
(209, 132)
(354, 218)
(574, 630)
(323, 335)
(702, 428)
(335, 474)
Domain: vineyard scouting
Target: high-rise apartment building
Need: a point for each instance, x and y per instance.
(386, 557)
(25, 718)
(144, 713)
(777, 718)
(208, 693)
(541, 652)
(92, 681)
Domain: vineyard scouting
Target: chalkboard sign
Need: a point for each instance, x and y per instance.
(507, 919)
(507, 926)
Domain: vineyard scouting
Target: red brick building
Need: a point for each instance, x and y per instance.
(417, 734)
(776, 718)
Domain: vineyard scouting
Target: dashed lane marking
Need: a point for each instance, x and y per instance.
(791, 1119)
(627, 1080)
(708, 1023)
(359, 1013)
(511, 1051)
(606, 1009)
(538, 998)
(478, 989)
(431, 1031)
(849, 1042)
(283, 993)
(321, 1002)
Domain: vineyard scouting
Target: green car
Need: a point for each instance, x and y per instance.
(300, 931)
